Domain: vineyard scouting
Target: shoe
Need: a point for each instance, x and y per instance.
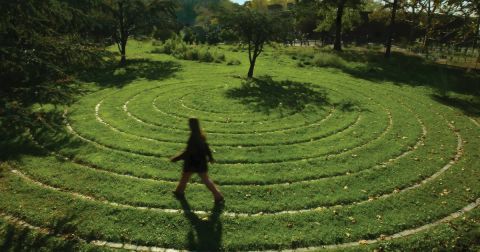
(178, 195)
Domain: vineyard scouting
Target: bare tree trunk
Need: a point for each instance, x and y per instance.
(391, 30)
(251, 69)
(123, 52)
(252, 59)
(257, 50)
(478, 61)
(427, 29)
(123, 34)
(337, 45)
(477, 33)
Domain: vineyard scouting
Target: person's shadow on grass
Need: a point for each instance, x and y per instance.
(206, 233)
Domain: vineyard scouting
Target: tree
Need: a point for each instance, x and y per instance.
(42, 44)
(337, 45)
(475, 8)
(388, 45)
(430, 7)
(254, 28)
(470, 9)
(130, 17)
(306, 15)
(260, 5)
(186, 13)
(287, 32)
(339, 6)
(328, 14)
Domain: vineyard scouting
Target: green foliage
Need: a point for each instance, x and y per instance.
(316, 57)
(127, 18)
(314, 141)
(233, 62)
(3, 169)
(163, 34)
(14, 237)
(192, 54)
(350, 19)
(43, 43)
(220, 56)
(306, 17)
(204, 55)
(169, 46)
(328, 60)
(180, 50)
(254, 29)
(200, 12)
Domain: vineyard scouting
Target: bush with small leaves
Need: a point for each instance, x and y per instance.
(220, 57)
(180, 50)
(191, 54)
(204, 55)
(234, 62)
(328, 60)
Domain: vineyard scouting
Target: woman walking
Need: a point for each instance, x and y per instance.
(195, 160)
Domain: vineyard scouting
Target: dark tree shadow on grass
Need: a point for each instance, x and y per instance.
(108, 75)
(350, 105)
(20, 238)
(206, 234)
(264, 94)
(11, 148)
(470, 107)
(113, 75)
(410, 70)
(50, 133)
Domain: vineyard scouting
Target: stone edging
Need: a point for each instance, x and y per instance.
(234, 214)
(133, 247)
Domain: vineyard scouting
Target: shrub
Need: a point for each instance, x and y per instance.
(120, 72)
(159, 49)
(180, 50)
(328, 60)
(3, 169)
(191, 54)
(157, 43)
(307, 54)
(164, 34)
(220, 57)
(174, 45)
(234, 62)
(205, 56)
(373, 46)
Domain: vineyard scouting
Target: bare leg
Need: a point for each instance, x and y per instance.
(182, 184)
(211, 186)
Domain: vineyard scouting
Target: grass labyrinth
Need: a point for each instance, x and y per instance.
(335, 161)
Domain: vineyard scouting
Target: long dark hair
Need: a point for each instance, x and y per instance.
(197, 137)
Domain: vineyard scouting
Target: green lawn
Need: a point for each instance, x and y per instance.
(351, 151)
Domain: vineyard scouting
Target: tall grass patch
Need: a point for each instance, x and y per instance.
(328, 60)
(181, 50)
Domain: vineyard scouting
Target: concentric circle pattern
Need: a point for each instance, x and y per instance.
(371, 160)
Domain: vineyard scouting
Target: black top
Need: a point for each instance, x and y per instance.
(196, 156)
